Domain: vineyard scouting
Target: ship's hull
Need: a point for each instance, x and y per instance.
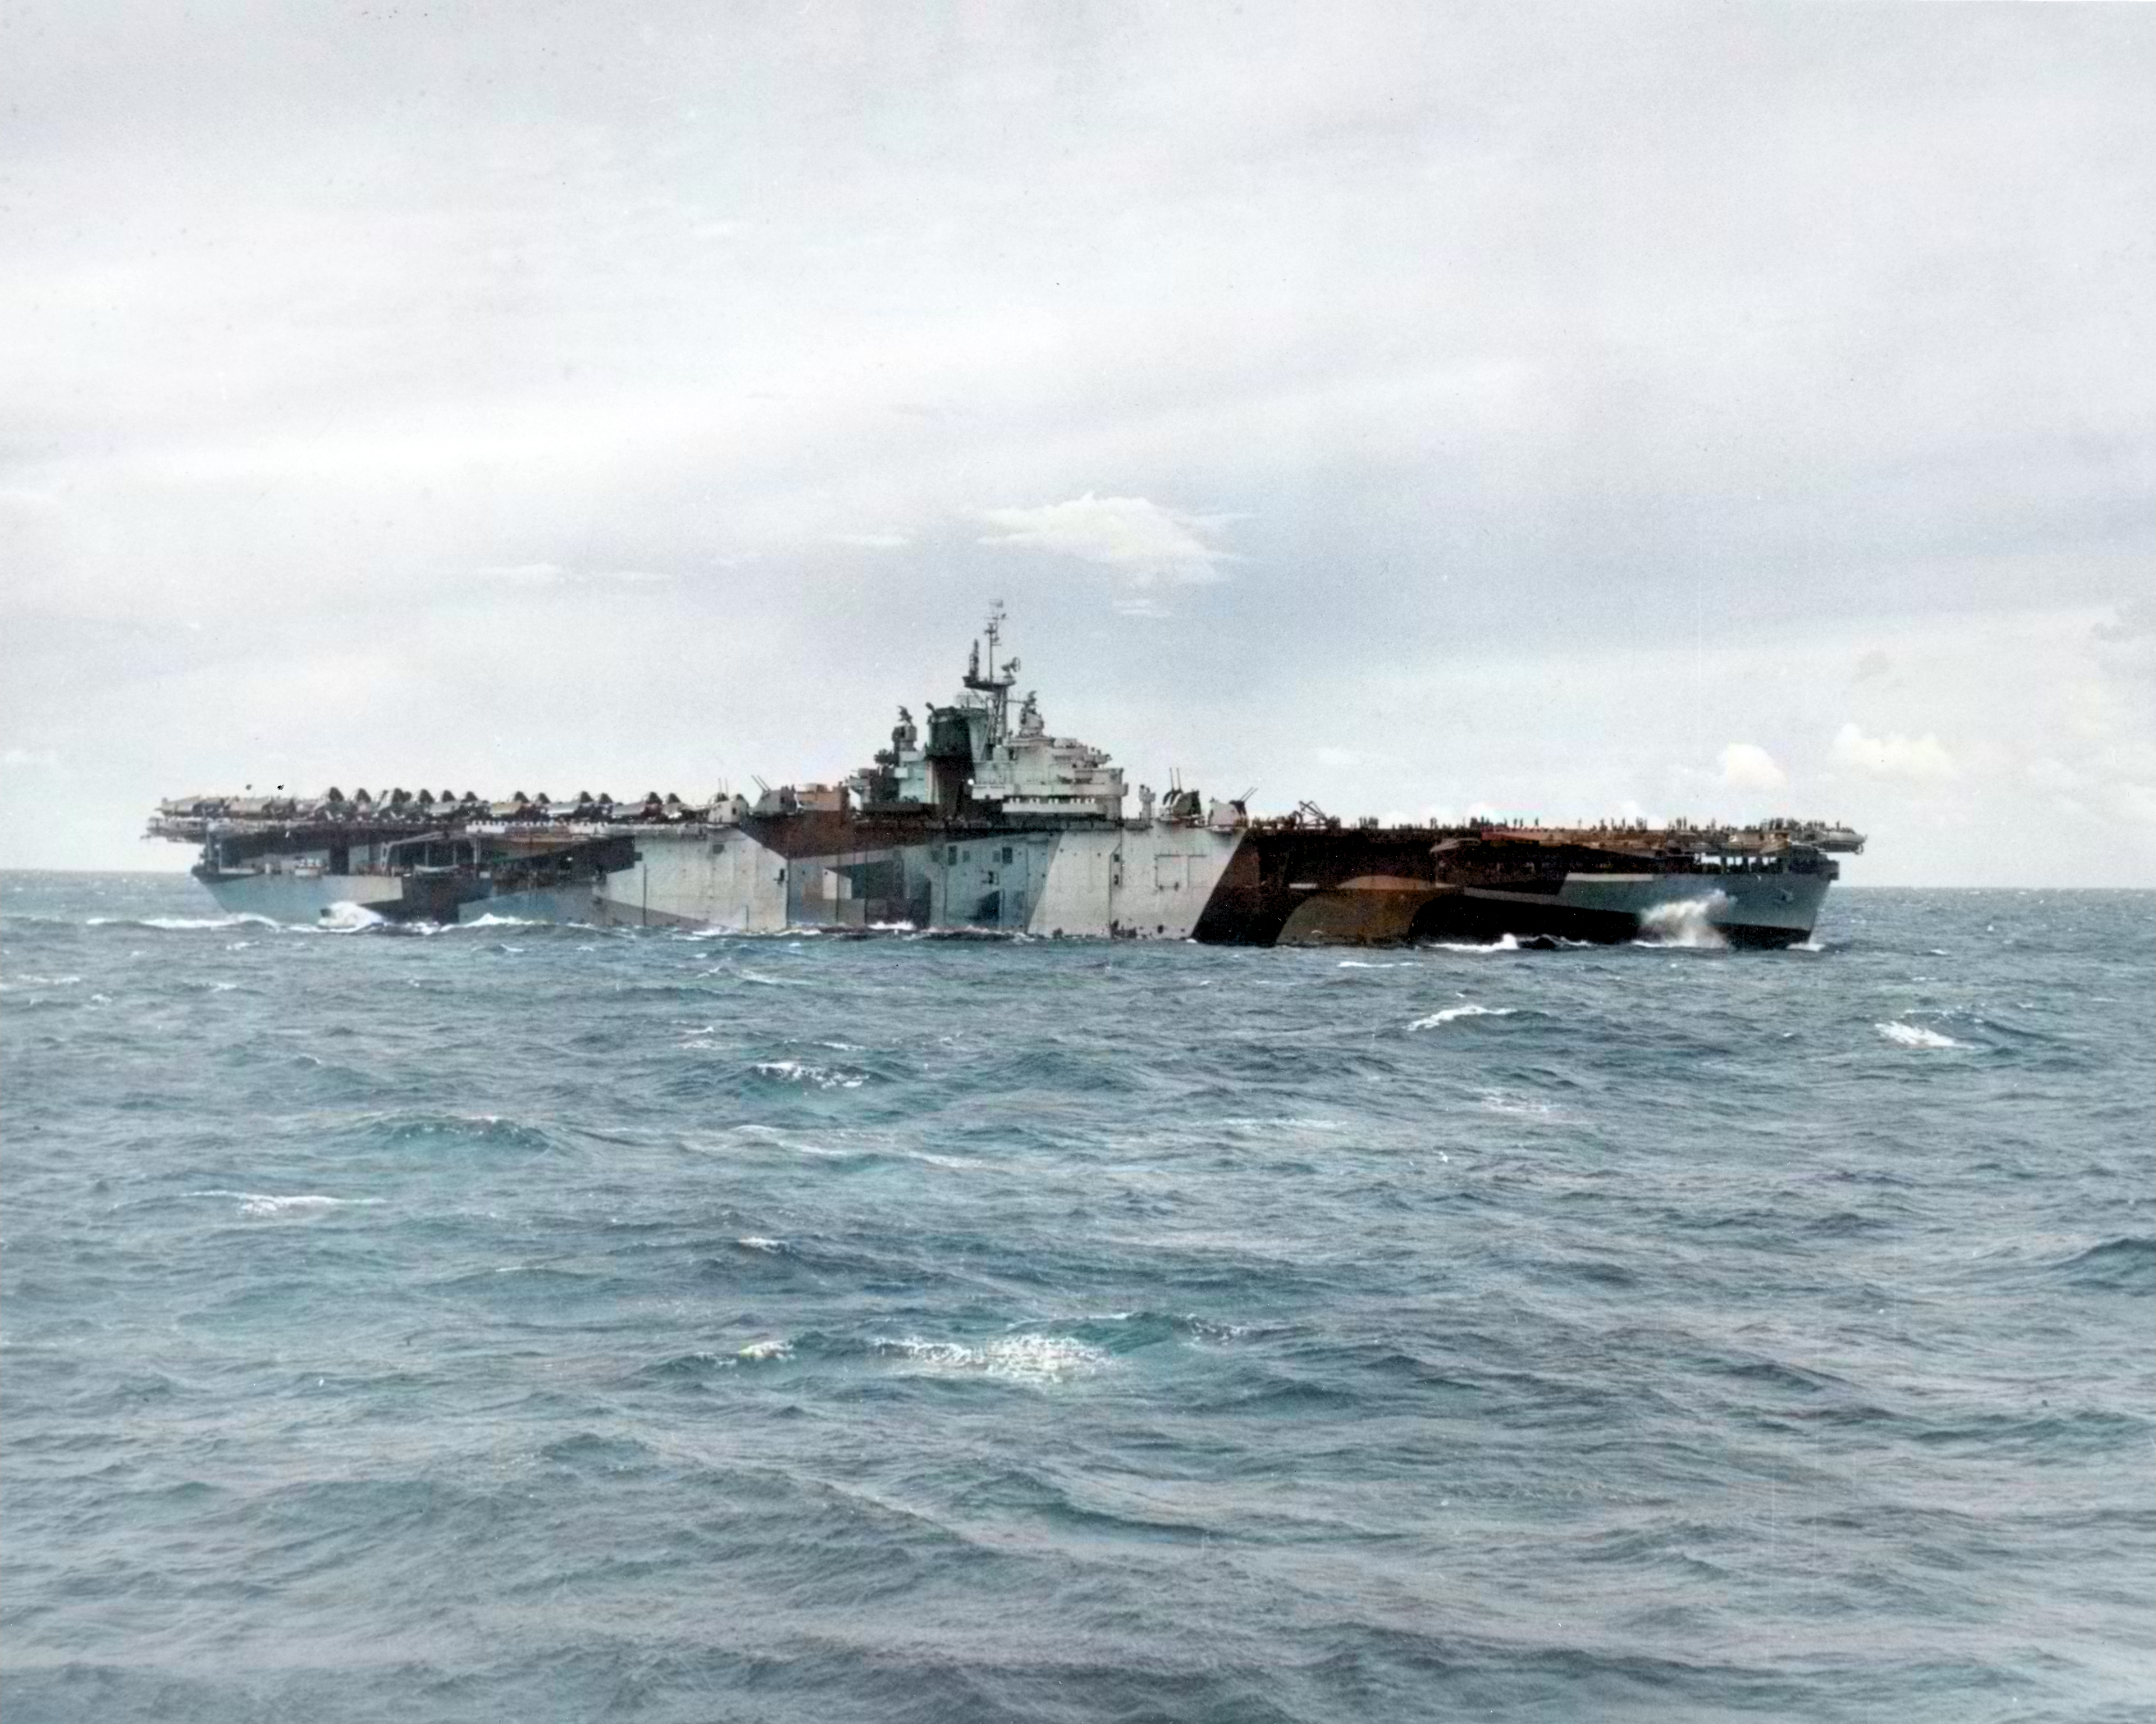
(1299, 887)
(1150, 880)
(308, 900)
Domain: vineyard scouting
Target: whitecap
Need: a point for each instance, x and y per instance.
(1915, 1036)
(757, 1351)
(771, 982)
(958, 1163)
(1034, 1359)
(1499, 1101)
(1452, 1014)
(490, 919)
(757, 1242)
(793, 1071)
(265, 1203)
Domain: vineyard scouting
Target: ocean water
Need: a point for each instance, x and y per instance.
(527, 1324)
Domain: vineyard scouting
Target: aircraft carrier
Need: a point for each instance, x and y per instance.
(979, 821)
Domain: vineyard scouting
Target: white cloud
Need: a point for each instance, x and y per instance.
(872, 541)
(554, 574)
(1921, 760)
(1336, 756)
(526, 575)
(2127, 643)
(1143, 542)
(1747, 766)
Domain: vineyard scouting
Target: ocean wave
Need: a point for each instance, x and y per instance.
(262, 1204)
(397, 1128)
(794, 1071)
(757, 1242)
(1499, 1101)
(1038, 1360)
(1453, 1014)
(758, 1352)
(1905, 1035)
(758, 979)
(929, 1158)
(2126, 1264)
(689, 1365)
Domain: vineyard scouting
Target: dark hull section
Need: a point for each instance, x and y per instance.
(1296, 886)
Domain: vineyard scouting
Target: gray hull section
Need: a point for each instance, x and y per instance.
(1148, 882)
(302, 899)
(306, 901)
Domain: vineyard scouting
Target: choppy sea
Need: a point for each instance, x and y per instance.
(527, 1323)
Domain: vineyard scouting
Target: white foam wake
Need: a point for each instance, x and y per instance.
(1453, 1014)
(345, 917)
(1503, 942)
(1903, 1035)
(1684, 922)
(181, 924)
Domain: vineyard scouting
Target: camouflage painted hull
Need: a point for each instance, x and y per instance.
(1252, 886)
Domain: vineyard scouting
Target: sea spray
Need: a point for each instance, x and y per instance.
(1687, 922)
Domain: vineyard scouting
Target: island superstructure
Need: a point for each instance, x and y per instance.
(979, 819)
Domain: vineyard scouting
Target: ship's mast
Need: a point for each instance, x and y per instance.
(998, 683)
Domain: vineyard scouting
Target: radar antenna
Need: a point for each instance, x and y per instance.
(998, 683)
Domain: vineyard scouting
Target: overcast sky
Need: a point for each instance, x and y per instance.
(1554, 410)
